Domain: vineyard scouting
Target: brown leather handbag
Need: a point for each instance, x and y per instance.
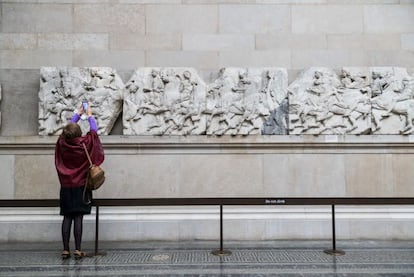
(96, 175)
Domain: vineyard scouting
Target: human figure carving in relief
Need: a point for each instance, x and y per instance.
(226, 103)
(268, 95)
(241, 101)
(154, 96)
(185, 112)
(403, 105)
(379, 86)
(357, 96)
(153, 105)
(137, 104)
(393, 103)
(302, 107)
(58, 102)
(321, 102)
(62, 89)
(333, 104)
(130, 111)
(167, 101)
(102, 81)
(215, 108)
(260, 105)
(273, 103)
(238, 112)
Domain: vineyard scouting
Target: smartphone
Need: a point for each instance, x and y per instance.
(85, 105)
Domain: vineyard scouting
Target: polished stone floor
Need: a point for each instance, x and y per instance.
(272, 258)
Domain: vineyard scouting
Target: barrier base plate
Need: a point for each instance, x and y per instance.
(221, 253)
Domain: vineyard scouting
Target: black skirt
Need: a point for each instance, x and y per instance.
(73, 201)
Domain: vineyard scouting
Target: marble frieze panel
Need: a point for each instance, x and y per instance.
(176, 101)
(164, 101)
(62, 89)
(355, 100)
(236, 101)
(324, 102)
(248, 101)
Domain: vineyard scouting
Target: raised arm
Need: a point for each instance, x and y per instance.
(92, 123)
(75, 118)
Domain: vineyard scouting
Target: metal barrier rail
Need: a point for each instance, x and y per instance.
(269, 201)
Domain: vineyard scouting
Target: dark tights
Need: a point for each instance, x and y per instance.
(77, 230)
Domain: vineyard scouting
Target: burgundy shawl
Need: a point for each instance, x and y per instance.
(71, 161)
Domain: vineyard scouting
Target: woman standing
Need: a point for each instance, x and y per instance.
(72, 167)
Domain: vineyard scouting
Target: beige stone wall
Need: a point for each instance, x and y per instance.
(204, 34)
(325, 166)
(254, 166)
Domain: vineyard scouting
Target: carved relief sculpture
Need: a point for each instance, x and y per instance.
(392, 101)
(321, 102)
(176, 101)
(244, 101)
(164, 101)
(62, 90)
(240, 101)
(356, 92)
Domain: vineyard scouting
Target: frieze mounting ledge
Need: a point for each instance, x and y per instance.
(119, 144)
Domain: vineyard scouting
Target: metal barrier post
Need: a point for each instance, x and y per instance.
(97, 253)
(334, 251)
(221, 251)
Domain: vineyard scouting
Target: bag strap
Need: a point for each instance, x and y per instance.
(87, 154)
(85, 190)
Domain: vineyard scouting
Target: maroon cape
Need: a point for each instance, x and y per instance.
(71, 161)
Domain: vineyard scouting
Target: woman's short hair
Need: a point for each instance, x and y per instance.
(71, 131)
